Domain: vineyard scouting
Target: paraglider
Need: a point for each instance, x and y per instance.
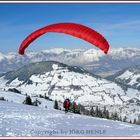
(74, 29)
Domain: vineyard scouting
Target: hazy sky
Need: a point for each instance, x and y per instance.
(119, 24)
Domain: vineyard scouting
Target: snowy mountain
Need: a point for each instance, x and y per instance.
(129, 77)
(59, 81)
(24, 120)
(95, 61)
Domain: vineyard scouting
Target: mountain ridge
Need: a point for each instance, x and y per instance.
(60, 82)
(94, 61)
(128, 77)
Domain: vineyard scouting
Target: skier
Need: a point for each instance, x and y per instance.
(66, 105)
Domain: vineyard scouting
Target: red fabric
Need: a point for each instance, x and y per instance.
(76, 30)
(66, 104)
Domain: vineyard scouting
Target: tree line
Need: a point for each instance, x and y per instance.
(97, 112)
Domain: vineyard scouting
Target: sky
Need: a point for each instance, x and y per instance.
(118, 23)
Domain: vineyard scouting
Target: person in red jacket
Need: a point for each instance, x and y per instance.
(66, 105)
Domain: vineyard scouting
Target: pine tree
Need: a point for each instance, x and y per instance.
(2, 98)
(77, 108)
(35, 103)
(92, 112)
(116, 116)
(107, 114)
(125, 119)
(97, 112)
(112, 116)
(28, 100)
(56, 105)
(86, 112)
(138, 122)
(135, 121)
(45, 96)
(73, 107)
(104, 112)
(100, 114)
(120, 119)
(80, 109)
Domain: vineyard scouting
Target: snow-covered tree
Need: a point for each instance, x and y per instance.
(28, 100)
(56, 105)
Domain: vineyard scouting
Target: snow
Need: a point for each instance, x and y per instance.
(11, 56)
(134, 79)
(92, 55)
(55, 67)
(60, 83)
(126, 75)
(41, 120)
(133, 93)
(12, 97)
(89, 58)
(16, 82)
(2, 82)
(1, 57)
(130, 77)
(124, 53)
(56, 50)
(24, 120)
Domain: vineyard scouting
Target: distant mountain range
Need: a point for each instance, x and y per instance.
(59, 81)
(128, 77)
(94, 61)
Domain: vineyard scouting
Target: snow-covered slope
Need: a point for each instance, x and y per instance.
(58, 81)
(50, 78)
(92, 60)
(24, 120)
(129, 77)
(19, 98)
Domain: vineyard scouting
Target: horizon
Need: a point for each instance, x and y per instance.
(118, 23)
(58, 49)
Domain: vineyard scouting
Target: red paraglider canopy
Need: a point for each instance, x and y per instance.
(74, 29)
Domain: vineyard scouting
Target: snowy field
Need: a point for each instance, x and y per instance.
(17, 119)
